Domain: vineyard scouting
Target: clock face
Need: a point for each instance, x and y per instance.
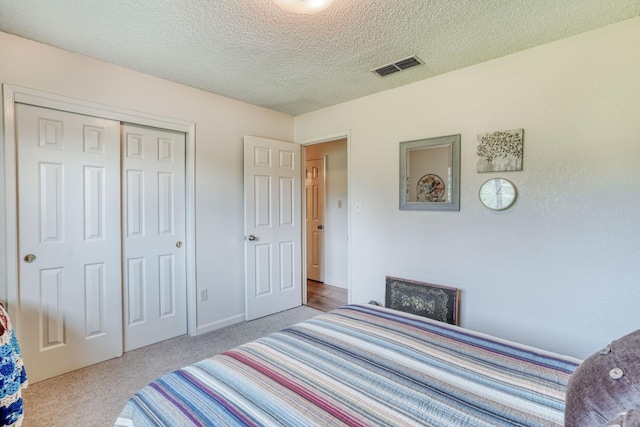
(498, 194)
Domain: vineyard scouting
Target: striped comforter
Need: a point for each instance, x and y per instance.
(362, 366)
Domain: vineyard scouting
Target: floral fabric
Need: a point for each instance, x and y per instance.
(13, 377)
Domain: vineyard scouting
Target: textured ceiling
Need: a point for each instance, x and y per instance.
(253, 51)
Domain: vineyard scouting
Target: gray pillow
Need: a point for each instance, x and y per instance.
(627, 419)
(606, 386)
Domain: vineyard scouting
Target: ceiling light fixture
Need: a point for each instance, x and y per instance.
(303, 6)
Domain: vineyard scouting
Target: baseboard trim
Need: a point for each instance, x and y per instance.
(219, 324)
(336, 283)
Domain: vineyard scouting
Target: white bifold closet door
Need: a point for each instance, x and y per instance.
(70, 299)
(153, 212)
(101, 226)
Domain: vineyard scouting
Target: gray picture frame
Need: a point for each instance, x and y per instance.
(424, 162)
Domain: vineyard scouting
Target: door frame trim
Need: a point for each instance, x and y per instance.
(12, 94)
(319, 140)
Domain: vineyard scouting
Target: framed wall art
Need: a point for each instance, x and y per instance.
(500, 151)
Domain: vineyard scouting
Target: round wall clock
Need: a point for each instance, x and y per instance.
(498, 194)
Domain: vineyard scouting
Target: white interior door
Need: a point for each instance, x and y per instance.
(273, 232)
(153, 212)
(315, 182)
(69, 240)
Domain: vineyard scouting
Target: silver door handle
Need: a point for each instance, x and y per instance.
(251, 238)
(178, 244)
(29, 258)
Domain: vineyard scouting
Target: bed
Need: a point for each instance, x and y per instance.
(362, 365)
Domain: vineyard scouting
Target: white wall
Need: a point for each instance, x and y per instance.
(560, 269)
(220, 126)
(335, 226)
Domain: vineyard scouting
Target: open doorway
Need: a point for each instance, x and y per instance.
(326, 217)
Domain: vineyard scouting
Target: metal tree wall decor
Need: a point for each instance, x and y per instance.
(500, 151)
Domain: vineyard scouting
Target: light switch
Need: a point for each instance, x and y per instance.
(339, 204)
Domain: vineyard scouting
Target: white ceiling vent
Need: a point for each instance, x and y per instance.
(394, 67)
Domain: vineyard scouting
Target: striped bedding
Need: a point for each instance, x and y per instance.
(362, 365)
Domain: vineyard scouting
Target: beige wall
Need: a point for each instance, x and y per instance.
(559, 269)
(220, 126)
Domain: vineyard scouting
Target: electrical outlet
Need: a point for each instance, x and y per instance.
(204, 294)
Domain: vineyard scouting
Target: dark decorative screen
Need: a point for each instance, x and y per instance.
(424, 299)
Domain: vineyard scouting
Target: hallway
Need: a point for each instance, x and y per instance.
(325, 297)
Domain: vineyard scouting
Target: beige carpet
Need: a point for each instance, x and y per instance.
(94, 396)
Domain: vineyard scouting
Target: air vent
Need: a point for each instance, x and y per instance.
(400, 65)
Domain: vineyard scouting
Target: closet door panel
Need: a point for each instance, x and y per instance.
(154, 214)
(69, 240)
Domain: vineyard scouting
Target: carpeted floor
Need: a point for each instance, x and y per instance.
(94, 396)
